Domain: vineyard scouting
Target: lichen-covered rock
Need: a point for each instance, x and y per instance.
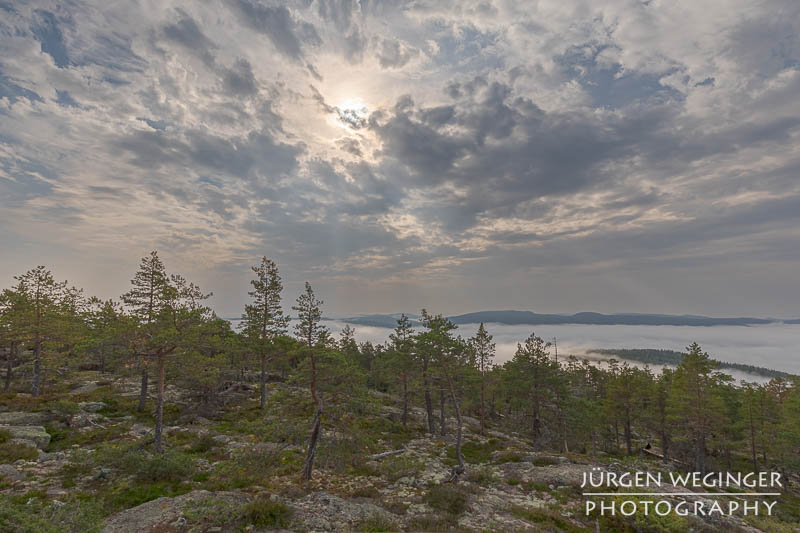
(9, 473)
(161, 514)
(92, 407)
(139, 430)
(23, 418)
(45, 457)
(26, 442)
(82, 420)
(321, 511)
(36, 434)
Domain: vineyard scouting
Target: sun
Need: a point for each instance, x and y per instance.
(351, 113)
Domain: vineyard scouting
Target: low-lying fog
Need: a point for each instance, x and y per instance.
(775, 346)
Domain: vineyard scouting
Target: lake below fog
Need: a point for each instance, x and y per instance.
(775, 346)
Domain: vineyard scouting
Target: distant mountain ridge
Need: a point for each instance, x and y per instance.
(513, 318)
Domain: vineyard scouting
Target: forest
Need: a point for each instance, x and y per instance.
(160, 334)
(671, 357)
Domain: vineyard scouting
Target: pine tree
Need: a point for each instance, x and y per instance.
(402, 346)
(691, 402)
(312, 334)
(450, 355)
(430, 343)
(13, 310)
(146, 300)
(484, 350)
(625, 396)
(263, 321)
(42, 297)
(168, 310)
(531, 373)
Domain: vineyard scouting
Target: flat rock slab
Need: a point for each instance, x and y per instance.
(36, 434)
(23, 418)
(92, 407)
(161, 513)
(9, 473)
(322, 511)
(86, 388)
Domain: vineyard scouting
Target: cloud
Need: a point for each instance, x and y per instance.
(277, 23)
(569, 155)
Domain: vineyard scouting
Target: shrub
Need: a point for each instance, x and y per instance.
(476, 452)
(365, 491)
(509, 456)
(481, 476)
(64, 407)
(265, 513)
(447, 498)
(399, 466)
(130, 496)
(169, 466)
(434, 523)
(376, 523)
(547, 519)
(13, 451)
(544, 460)
(203, 444)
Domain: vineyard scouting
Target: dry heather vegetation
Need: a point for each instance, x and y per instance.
(79, 458)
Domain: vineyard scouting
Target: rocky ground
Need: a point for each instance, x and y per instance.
(78, 459)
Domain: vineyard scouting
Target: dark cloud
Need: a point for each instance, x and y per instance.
(188, 34)
(47, 30)
(395, 54)
(277, 23)
(339, 12)
(11, 90)
(256, 155)
(239, 79)
(65, 99)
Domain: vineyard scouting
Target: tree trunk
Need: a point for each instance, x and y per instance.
(405, 399)
(37, 367)
(442, 424)
(753, 453)
(160, 404)
(665, 445)
(428, 401)
(263, 379)
(316, 429)
(483, 406)
(12, 355)
(700, 454)
(143, 391)
(628, 445)
(102, 358)
(458, 469)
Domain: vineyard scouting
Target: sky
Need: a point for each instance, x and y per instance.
(551, 155)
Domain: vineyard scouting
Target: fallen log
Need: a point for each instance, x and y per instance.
(384, 454)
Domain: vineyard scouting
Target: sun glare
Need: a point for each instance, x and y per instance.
(351, 113)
